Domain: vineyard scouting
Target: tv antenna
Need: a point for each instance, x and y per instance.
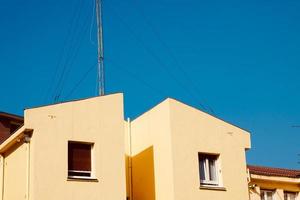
(100, 68)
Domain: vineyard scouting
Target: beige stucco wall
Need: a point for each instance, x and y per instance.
(276, 184)
(98, 120)
(176, 133)
(194, 131)
(152, 155)
(15, 172)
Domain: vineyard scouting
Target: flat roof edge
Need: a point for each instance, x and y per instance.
(74, 100)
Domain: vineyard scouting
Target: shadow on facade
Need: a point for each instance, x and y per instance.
(140, 177)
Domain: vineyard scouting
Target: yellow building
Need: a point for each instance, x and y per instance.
(67, 151)
(181, 153)
(83, 150)
(267, 183)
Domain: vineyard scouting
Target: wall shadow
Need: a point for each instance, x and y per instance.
(143, 180)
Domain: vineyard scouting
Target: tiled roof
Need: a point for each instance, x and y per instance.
(270, 171)
(11, 116)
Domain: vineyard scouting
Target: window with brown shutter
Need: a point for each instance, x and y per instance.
(79, 159)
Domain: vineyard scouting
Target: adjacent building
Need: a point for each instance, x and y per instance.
(268, 183)
(9, 123)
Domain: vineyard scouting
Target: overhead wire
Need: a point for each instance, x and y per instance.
(92, 23)
(81, 80)
(73, 54)
(135, 77)
(156, 57)
(48, 92)
(72, 60)
(75, 44)
(168, 50)
(67, 48)
(69, 55)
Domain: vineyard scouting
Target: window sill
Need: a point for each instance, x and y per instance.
(82, 179)
(211, 187)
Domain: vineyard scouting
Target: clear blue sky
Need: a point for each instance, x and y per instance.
(237, 59)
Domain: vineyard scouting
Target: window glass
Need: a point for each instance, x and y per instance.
(290, 195)
(202, 169)
(266, 195)
(269, 195)
(212, 170)
(262, 195)
(208, 169)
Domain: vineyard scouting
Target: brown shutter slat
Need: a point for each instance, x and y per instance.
(79, 156)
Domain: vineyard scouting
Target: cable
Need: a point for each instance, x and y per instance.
(71, 61)
(136, 77)
(74, 49)
(169, 51)
(68, 47)
(92, 23)
(61, 55)
(81, 80)
(157, 58)
(70, 53)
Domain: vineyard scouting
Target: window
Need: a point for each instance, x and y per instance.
(290, 195)
(208, 169)
(79, 159)
(266, 194)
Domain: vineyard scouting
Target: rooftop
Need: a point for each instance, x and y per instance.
(270, 171)
(11, 116)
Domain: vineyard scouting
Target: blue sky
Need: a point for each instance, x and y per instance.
(236, 59)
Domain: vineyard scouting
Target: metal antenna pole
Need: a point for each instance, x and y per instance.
(100, 48)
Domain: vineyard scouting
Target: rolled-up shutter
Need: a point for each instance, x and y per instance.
(79, 156)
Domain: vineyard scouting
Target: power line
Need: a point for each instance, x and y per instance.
(157, 58)
(71, 61)
(136, 77)
(92, 23)
(169, 51)
(63, 49)
(72, 54)
(81, 80)
(296, 126)
(68, 47)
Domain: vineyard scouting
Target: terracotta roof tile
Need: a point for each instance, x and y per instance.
(270, 171)
(11, 116)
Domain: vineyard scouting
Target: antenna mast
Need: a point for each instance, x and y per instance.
(100, 74)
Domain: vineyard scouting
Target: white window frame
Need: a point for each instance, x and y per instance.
(288, 193)
(92, 172)
(78, 171)
(207, 181)
(265, 194)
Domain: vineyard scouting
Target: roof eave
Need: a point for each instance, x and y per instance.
(285, 179)
(14, 138)
(11, 116)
